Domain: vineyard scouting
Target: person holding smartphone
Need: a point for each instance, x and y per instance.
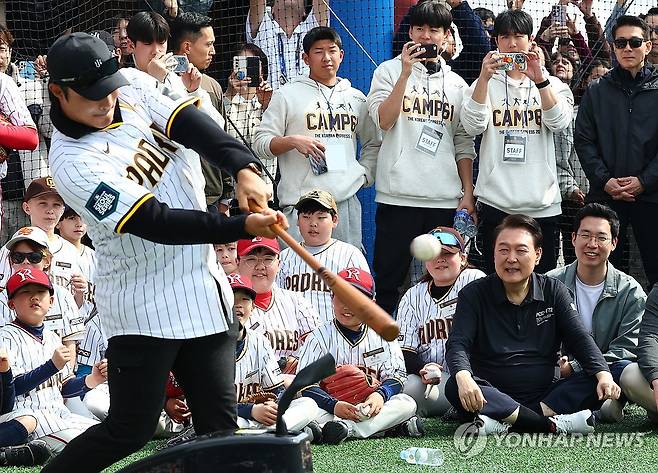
(311, 127)
(425, 163)
(517, 112)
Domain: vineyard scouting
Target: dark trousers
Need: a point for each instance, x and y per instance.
(643, 217)
(137, 375)
(490, 217)
(396, 227)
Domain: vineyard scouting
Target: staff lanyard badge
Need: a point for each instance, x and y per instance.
(514, 148)
(429, 140)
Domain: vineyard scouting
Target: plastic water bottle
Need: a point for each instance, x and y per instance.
(463, 223)
(422, 456)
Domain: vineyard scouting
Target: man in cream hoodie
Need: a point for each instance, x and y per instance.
(517, 113)
(311, 126)
(425, 163)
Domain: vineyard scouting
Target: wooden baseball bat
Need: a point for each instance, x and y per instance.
(361, 306)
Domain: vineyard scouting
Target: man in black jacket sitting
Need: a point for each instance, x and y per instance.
(503, 348)
(616, 139)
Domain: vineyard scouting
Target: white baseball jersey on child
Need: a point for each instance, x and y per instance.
(425, 322)
(371, 353)
(256, 368)
(142, 288)
(287, 319)
(63, 317)
(63, 266)
(297, 276)
(45, 402)
(92, 347)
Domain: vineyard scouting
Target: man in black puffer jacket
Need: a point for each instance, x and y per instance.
(616, 139)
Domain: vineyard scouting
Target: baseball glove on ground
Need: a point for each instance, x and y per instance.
(260, 397)
(350, 384)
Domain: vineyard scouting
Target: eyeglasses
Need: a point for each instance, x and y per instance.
(90, 77)
(18, 257)
(254, 260)
(446, 238)
(635, 42)
(601, 240)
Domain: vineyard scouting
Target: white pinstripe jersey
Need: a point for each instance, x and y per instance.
(142, 288)
(27, 353)
(256, 369)
(425, 322)
(288, 318)
(13, 107)
(64, 263)
(370, 353)
(297, 276)
(87, 262)
(92, 347)
(63, 318)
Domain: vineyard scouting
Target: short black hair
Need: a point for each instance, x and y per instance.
(484, 14)
(598, 211)
(521, 221)
(311, 206)
(256, 51)
(318, 34)
(630, 20)
(513, 21)
(431, 13)
(147, 27)
(187, 27)
(652, 11)
(5, 36)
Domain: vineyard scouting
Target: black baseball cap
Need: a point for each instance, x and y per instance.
(84, 63)
(105, 37)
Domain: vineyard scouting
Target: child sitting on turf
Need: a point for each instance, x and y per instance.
(425, 318)
(351, 342)
(317, 217)
(43, 377)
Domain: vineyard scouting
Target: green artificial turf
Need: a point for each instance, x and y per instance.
(382, 455)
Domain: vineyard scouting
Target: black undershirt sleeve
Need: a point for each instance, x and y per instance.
(155, 221)
(195, 130)
(412, 362)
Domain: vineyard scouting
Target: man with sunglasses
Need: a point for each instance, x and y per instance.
(118, 157)
(609, 301)
(615, 139)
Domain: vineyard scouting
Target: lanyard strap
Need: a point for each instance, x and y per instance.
(283, 78)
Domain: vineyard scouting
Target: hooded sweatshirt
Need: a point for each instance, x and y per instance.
(408, 177)
(529, 187)
(337, 116)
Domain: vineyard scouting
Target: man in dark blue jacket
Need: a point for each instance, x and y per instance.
(616, 139)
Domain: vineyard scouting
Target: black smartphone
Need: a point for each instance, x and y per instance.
(431, 51)
(247, 66)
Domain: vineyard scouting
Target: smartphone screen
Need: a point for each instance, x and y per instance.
(253, 70)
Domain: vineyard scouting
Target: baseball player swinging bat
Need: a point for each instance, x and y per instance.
(360, 305)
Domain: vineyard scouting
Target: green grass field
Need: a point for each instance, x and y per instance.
(382, 455)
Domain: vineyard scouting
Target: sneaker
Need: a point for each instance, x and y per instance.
(578, 423)
(314, 432)
(34, 453)
(491, 426)
(335, 432)
(185, 436)
(451, 415)
(612, 411)
(413, 428)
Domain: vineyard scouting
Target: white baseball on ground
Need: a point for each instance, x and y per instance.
(425, 247)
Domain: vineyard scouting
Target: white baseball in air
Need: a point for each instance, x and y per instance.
(425, 247)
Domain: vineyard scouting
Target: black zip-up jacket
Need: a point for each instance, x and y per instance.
(617, 131)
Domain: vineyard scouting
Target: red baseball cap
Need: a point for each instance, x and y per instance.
(247, 246)
(360, 279)
(24, 277)
(242, 283)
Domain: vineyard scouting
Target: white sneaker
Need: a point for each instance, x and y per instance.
(612, 411)
(578, 423)
(491, 426)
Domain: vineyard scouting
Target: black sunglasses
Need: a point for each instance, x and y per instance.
(635, 42)
(17, 257)
(90, 77)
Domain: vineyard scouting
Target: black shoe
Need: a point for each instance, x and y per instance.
(410, 428)
(31, 454)
(335, 432)
(185, 436)
(314, 432)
